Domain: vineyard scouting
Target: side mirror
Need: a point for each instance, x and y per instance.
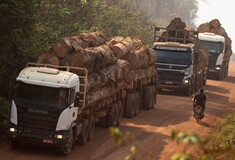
(77, 99)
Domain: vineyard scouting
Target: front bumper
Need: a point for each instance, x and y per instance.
(22, 136)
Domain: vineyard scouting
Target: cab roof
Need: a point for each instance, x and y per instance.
(173, 46)
(49, 77)
(207, 36)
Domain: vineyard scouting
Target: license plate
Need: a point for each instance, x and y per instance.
(169, 82)
(47, 141)
(211, 70)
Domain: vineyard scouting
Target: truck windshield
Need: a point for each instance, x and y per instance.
(174, 57)
(215, 47)
(41, 95)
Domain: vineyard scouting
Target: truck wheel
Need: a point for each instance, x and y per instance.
(137, 103)
(68, 147)
(91, 120)
(141, 93)
(120, 111)
(148, 98)
(112, 118)
(154, 96)
(130, 109)
(15, 144)
(82, 138)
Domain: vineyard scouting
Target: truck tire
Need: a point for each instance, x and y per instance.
(91, 120)
(141, 93)
(130, 109)
(137, 103)
(113, 116)
(120, 111)
(68, 147)
(154, 96)
(148, 98)
(82, 138)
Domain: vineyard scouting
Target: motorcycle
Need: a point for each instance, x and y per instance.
(198, 113)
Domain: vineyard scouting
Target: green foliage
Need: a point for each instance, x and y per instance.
(182, 156)
(4, 114)
(185, 137)
(221, 140)
(120, 138)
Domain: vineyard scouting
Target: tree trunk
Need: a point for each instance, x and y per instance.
(138, 58)
(205, 27)
(62, 47)
(93, 58)
(48, 58)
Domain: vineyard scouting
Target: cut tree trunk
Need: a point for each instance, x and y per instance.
(205, 27)
(116, 40)
(62, 47)
(93, 58)
(138, 58)
(215, 23)
(48, 58)
(122, 48)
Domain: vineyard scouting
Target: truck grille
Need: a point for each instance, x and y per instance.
(37, 122)
(166, 78)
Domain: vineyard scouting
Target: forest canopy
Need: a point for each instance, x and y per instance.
(28, 28)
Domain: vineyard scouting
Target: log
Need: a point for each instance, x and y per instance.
(205, 27)
(108, 75)
(122, 48)
(62, 47)
(48, 58)
(215, 23)
(93, 38)
(116, 40)
(104, 92)
(138, 57)
(139, 74)
(152, 56)
(137, 42)
(219, 31)
(93, 58)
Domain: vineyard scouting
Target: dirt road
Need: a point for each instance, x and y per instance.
(150, 128)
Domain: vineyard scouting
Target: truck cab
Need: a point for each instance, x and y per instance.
(45, 107)
(216, 44)
(175, 65)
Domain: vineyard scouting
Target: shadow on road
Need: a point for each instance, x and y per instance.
(205, 124)
(216, 89)
(229, 79)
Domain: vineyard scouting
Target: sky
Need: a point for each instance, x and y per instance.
(224, 10)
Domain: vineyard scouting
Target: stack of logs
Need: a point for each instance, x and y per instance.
(177, 30)
(214, 26)
(111, 64)
(202, 55)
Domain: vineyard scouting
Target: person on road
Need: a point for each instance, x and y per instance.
(200, 99)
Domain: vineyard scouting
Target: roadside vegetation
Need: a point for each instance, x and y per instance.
(219, 144)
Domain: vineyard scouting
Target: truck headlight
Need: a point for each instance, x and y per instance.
(13, 130)
(217, 68)
(60, 136)
(186, 81)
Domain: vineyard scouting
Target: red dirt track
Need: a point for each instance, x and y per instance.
(151, 128)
